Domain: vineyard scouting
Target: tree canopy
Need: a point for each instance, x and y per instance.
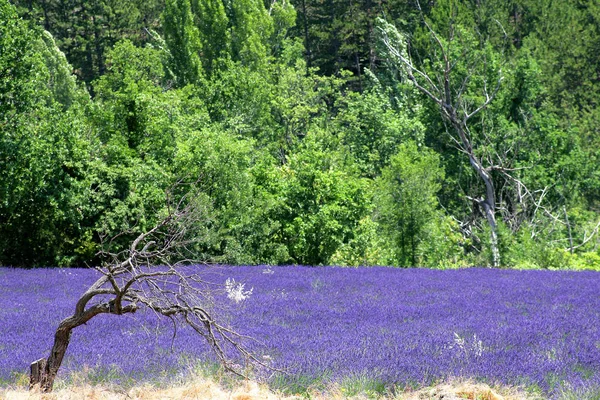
(315, 132)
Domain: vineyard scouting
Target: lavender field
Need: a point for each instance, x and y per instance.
(379, 327)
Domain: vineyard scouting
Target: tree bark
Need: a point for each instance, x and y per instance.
(43, 371)
(488, 204)
(491, 218)
(37, 371)
(45, 376)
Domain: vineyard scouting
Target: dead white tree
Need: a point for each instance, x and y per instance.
(458, 108)
(154, 273)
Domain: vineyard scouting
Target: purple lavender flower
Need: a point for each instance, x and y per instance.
(397, 327)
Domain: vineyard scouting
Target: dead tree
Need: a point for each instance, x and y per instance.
(154, 273)
(456, 109)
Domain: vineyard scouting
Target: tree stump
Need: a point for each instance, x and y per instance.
(37, 372)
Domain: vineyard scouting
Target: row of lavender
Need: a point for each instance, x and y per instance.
(396, 327)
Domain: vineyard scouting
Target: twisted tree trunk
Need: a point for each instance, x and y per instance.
(43, 371)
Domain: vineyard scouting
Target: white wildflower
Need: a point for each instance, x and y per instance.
(474, 346)
(235, 290)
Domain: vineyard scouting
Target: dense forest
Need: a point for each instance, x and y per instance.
(364, 132)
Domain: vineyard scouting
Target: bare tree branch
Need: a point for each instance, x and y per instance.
(586, 238)
(453, 109)
(152, 273)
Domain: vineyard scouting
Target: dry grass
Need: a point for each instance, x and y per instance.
(467, 390)
(207, 389)
(201, 389)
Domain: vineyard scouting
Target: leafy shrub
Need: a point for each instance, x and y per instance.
(584, 261)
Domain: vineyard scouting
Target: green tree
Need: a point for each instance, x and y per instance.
(84, 30)
(220, 164)
(43, 148)
(275, 105)
(131, 105)
(139, 125)
(324, 201)
(251, 28)
(202, 35)
(183, 40)
(213, 26)
(406, 202)
(372, 128)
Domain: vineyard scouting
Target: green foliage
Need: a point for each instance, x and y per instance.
(213, 27)
(23, 73)
(241, 99)
(299, 138)
(527, 249)
(251, 28)
(443, 245)
(133, 116)
(203, 35)
(284, 18)
(276, 106)
(340, 35)
(183, 40)
(124, 199)
(260, 236)
(406, 202)
(324, 201)
(584, 261)
(43, 188)
(85, 30)
(42, 147)
(220, 164)
(61, 82)
(364, 248)
(372, 129)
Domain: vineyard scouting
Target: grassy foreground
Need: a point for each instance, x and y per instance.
(210, 389)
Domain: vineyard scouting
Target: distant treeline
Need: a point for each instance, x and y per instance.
(298, 130)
